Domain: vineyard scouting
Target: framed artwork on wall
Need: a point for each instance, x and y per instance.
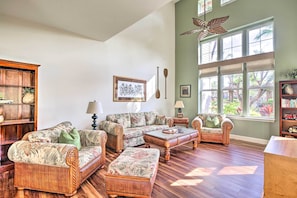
(128, 89)
(185, 91)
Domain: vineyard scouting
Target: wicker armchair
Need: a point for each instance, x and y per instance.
(43, 164)
(213, 128)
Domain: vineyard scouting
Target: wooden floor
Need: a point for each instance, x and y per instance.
(212, 170)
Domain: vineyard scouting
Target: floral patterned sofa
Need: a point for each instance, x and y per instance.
(127, 129)
(44, 164)
(213, 128)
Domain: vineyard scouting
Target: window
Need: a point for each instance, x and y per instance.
(201, 7)
(209, 87)
(237, 73)
(209, 52)
(232, 46)
(261, 39)
(232, 89)
(225, 2)
(260, 87)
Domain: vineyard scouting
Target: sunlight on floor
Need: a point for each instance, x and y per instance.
(187, 182)
(201, 172)
(238, 170)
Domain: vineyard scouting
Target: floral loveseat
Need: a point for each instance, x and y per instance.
(213, 128)
(127, 129)
(44, 164)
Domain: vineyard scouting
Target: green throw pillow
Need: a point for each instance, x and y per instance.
(212, 122)
(70, 138)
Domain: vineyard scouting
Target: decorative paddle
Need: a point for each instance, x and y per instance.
(157, 91)
(165, 71)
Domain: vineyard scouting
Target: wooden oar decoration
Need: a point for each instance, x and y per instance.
(158, 90)
(165, 71)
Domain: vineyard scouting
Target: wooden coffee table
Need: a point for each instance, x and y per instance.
(169, 141)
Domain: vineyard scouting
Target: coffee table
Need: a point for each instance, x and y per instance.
(169, 141)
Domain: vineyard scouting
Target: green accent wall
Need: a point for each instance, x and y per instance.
(241, 12)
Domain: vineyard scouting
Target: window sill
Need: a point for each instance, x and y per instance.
(253, 119)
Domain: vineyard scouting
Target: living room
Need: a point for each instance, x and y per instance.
(75, 69)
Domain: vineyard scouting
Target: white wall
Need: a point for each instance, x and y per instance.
(75, 70)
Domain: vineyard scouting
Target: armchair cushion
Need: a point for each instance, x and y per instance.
(70, 138)
(212, 122)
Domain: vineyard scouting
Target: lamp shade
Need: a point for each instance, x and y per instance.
(179, 104)
(94, 107)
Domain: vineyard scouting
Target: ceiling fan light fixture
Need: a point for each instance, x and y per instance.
(211, 27)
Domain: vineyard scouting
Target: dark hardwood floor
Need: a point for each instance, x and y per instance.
(210, 171)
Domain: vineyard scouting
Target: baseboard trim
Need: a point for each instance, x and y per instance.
(249, 139)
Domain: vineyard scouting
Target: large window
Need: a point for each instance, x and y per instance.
(237, 73)
(207, 7)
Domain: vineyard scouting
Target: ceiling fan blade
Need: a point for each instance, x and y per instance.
(191, 32)
(199, 22)
(217, 30)
(202, 34)
(217, 22)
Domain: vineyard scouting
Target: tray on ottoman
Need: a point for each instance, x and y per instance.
(133, 173)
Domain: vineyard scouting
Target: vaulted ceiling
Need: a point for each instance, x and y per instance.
(94, 19)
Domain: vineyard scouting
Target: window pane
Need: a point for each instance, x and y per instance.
(224, 2)
(208, 7)
(232, 46)
(261, 79)
(209, 83)
(261, 39)
(260, 94)
(209, 102)
(233, 81)
(261, 103)
(208, 51)
(232, 102)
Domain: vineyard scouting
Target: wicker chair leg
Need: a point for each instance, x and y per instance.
(20, 193)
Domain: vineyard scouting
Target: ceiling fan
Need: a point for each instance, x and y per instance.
(205, 28)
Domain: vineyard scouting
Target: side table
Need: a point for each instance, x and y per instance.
(181, 121)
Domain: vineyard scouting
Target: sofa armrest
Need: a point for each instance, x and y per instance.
(197, 123)
(92, 137)
(227, 124)
(52, 154)
(112, 128)
(169, 121)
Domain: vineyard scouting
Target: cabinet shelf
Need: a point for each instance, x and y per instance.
(288, 107)
(16, 80)
(21, 121)
(18, 86)
(288, 133)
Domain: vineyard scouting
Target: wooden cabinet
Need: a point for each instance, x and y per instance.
(18, 104)
(288, 108)
(181, 121)
(280, 173)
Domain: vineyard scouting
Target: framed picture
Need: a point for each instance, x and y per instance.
(128, 89)
(185, 91)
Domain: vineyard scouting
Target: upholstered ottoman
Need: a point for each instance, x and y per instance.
(133, 173)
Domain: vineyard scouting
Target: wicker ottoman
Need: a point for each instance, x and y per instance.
(133, 173)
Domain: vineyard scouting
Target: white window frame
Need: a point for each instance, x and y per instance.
(226, 2)
(262, 60)
(200, 8)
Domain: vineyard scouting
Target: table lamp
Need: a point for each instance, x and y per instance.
(179, 105)
(94, 108)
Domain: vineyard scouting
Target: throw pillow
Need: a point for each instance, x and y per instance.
(160, 119)
(212, 122)
(70, 138)
(137, 119)
(150, 117)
